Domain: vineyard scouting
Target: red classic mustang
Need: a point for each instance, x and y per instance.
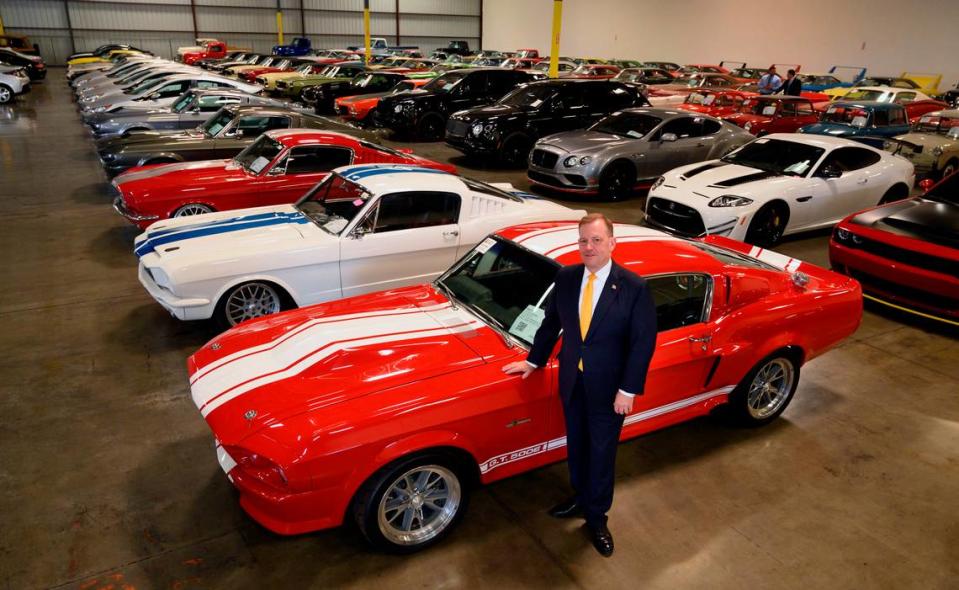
(384, 408)
(761, 115)
(906, 253)
(714, 103)
(277, 168)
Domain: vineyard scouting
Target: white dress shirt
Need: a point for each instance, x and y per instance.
(598, 283)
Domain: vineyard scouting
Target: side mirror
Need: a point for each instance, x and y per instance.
(830, 171)
(231, 133)
(668, 137)
(358, 232)
(277, 170)
(926, 183)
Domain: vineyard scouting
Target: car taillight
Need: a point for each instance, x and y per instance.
(258, 466)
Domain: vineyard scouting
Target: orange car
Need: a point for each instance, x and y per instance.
(358, 108)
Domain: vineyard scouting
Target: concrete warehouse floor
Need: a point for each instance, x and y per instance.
(108, 477)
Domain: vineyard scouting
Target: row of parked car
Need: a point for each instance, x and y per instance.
(376, 396)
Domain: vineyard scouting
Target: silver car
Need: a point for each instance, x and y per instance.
(628, 149)
(189, 110)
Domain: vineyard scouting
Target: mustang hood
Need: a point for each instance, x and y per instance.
(584, 142)
(263, 372)
(152, 139)
(918, 218)
(173, 180)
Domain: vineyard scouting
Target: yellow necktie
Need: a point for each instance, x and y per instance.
(586, 310)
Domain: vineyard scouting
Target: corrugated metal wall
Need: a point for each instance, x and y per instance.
(161, 26)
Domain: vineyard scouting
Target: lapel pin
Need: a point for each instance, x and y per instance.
(613, 286)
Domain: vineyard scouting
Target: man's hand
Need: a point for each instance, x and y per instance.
(623, 404)
(519, 367)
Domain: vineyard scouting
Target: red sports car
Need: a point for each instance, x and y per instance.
(277, 168)
(714, 103)
(358, 108)
(906, 253)
(384, 408)
(284, 65)
(761, 115)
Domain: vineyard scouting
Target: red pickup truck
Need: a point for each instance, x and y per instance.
(211, 50)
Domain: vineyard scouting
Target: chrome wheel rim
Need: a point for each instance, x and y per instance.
(948, 170)
(770, 388)
(251, 300)
(419, 505)
(4, 95)
(192, 209)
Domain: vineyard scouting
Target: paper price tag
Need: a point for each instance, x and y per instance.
(527, 322)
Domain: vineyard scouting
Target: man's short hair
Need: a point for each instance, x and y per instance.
(791, 72)
(771, 68)
(591, 217)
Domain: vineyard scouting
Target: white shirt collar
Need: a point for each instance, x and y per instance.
(601, 274)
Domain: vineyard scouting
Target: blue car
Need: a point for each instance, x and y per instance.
(299, 47)
(869, 122)
(820, 82)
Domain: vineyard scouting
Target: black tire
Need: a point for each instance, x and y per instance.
(430, 128)
(746, 401)
(895, 193)
(372, 499)
(6, 94)
(515, 150)
(617, 181)
(766, 228)
(950, 167)
(226, 312)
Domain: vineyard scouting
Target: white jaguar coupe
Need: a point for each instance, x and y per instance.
(779, 184)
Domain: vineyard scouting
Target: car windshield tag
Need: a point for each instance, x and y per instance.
(335, 225)
(527, 322)
(485, 245)
(259, 164)
(798, 167)
(634, 133)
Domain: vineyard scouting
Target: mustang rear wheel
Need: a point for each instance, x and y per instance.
(411, 504)
(766, 390)
(6, 94)
(767, 226)
(247, 301)
(192, 209)
(949, 168)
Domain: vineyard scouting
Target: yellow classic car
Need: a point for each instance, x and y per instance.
(268, 81)
(925, 83)
(105, 58)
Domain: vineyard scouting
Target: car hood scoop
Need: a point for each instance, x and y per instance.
(269, 370)
(746, 178)
(922, 219)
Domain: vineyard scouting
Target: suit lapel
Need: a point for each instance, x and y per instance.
(574, 301)
(606, 298)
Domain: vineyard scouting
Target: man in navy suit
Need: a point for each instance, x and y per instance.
(608, 320)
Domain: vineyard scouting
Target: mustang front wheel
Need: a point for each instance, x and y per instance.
(766, 391)
(411, 504)
(247, 301)
(192, 209)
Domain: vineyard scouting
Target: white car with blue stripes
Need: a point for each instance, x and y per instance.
(365, 228)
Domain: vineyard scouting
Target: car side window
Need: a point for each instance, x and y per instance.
(804, 108)
(211, 104)
(173, 89)
(680, 299)
(313, 159)
(905, 97)
(897, 117)
(710, 126)
(570, 98)
(471, 85)
(254, 126)
(788, 109)
(498, 85)
(848, 159)
(409, 210)
(681, 127)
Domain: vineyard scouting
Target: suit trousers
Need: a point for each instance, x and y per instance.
(592, 437)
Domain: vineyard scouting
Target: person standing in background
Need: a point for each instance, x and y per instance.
(770, 82)
(793, 85)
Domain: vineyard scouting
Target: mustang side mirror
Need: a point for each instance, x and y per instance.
(668, 137)
(359, 231)
(830, 171)
(231, 133)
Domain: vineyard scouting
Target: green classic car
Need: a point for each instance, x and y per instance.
(932, 145)
(293, 87)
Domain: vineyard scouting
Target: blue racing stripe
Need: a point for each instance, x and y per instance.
(241, 218)
(367, 173)
(152, 243)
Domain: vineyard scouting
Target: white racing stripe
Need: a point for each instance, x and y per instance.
(776, 259)
(309, 324)
(556, 443)
(308, 347)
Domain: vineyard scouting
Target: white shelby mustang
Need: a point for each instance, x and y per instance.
(365, 228)
(780, 184)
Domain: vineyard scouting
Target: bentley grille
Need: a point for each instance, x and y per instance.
(544, 159)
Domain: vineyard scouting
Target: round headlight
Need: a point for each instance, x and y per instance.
(937, 151)
(398, 108)
(477, 128)
(570, 161)
(842, 235)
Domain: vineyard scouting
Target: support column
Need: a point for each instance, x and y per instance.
(366, 30)
(554, 47)
(73, 41)
(196, 32)
(279, 23)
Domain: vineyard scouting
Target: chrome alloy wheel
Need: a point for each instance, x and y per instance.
(192, 209)
(6, 95)
(770, 388)
(419, 505)
(251, 300)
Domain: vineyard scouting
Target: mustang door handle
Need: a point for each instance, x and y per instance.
(803, 199)
(705, 338)
(862, 181)
(451, 234)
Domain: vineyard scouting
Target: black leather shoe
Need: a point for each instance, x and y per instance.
(602, 539)
(567, 509)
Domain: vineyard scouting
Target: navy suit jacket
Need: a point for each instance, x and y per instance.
(619, 344)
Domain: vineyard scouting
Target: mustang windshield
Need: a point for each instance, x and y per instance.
(504, 284)
(258, 154)
(759, 107)
(333, 203)
(846, 115)
(217, 122)
(777, 156)
(946, 191)
(627, 124)
(183, 102)
(528, 96)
